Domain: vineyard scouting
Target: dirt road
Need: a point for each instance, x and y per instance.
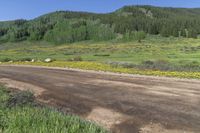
(124, 104)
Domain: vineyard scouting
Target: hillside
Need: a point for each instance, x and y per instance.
(66, 26)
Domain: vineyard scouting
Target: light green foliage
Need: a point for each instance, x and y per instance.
(31, 120)
(79, 30)
(136, 35)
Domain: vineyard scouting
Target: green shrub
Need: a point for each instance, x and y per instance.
(21, 98)
(136, 35)
(190, 66)
(26, 59)
(5, 60)
(102, 55)
(121, 64)
(156, 65)
(76, 58)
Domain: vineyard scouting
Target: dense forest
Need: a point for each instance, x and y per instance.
(129, 22)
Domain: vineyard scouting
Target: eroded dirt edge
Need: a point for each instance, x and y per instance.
(105, 117)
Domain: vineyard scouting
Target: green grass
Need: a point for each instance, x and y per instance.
(178, 54)
(153, 48)
(31, 119)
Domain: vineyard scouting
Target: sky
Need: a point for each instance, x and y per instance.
(29, 9)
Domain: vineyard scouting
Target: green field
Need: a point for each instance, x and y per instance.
(19, 115)
(154, 53)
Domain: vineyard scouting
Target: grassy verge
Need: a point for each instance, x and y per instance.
(19, 115)
(105, 67)
(158, 56)
(176, 52)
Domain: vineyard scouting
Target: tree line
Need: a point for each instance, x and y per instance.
(132, 22)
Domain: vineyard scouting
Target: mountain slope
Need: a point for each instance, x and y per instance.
(67, 26)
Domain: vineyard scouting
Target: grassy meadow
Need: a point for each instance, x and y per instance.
(19, 114)
(153, 56)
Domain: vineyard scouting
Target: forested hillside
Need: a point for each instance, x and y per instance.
(129, 22)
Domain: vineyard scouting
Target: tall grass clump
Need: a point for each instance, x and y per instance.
(22, 117)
